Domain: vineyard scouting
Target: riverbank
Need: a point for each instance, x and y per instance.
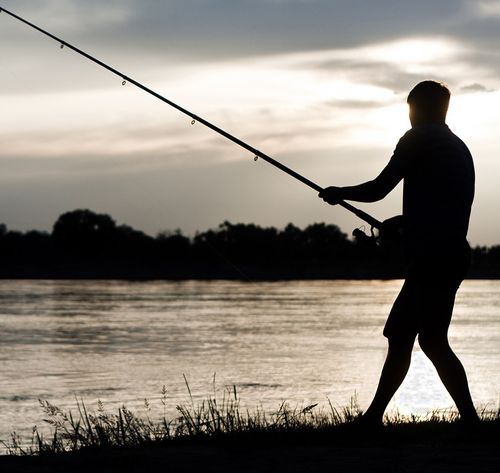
(87, 245)
(409, 448)
(218, 435)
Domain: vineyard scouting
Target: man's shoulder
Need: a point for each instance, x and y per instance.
(424, 136)
(406, 143)
(424, 131)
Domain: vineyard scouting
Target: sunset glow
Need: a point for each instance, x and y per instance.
(312, 108)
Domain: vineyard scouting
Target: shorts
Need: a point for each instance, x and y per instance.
(425, 302)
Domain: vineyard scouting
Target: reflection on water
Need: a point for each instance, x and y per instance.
(301, 341)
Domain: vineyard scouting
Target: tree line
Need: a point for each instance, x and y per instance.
(84, 244)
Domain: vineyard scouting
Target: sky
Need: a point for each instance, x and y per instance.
(319, 85)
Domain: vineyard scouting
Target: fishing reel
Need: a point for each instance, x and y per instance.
(390, 232)
(363, 239)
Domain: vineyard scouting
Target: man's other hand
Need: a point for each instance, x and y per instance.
(332, 195)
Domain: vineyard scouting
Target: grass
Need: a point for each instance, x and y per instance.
(223, 418)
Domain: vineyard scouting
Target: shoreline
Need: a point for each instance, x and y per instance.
(410, 448)
(145, 278)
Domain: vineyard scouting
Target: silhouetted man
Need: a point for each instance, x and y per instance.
(438, 175)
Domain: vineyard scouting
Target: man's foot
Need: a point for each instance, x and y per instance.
(470, 424)
(368, 422)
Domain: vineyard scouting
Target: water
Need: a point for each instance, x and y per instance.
(301, 341)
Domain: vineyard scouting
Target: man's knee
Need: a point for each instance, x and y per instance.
(433, 344)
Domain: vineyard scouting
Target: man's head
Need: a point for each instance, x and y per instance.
(428, 103)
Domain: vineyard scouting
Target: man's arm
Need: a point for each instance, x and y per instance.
(370, 191)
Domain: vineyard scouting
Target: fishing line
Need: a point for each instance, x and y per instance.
(195, 118)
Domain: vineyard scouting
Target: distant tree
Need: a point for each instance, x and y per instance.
(486, 261)
(240, 242)
(173, 244)
(327, 242)
(37, 246)
(291, 243)
(129, 243)
(84, 243)
(84, 232)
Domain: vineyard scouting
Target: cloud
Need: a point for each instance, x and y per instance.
(488, 8)
(141, 36)
(475, 88)
(208, 29)
(310, 82)
(353, 104)
(72, 16)
(395, 66)
(304, 101)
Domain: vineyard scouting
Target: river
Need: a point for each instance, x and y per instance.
(300, 341)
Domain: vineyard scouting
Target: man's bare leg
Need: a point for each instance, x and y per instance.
(451, 372)
(393, 373)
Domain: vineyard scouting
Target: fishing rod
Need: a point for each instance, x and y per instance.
(196, 118)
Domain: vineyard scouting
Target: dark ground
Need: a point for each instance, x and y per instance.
(415, 450)
(414, 458)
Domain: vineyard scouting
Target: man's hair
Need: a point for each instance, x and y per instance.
(430, 99)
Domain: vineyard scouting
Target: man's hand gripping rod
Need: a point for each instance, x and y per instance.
(359, 213)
